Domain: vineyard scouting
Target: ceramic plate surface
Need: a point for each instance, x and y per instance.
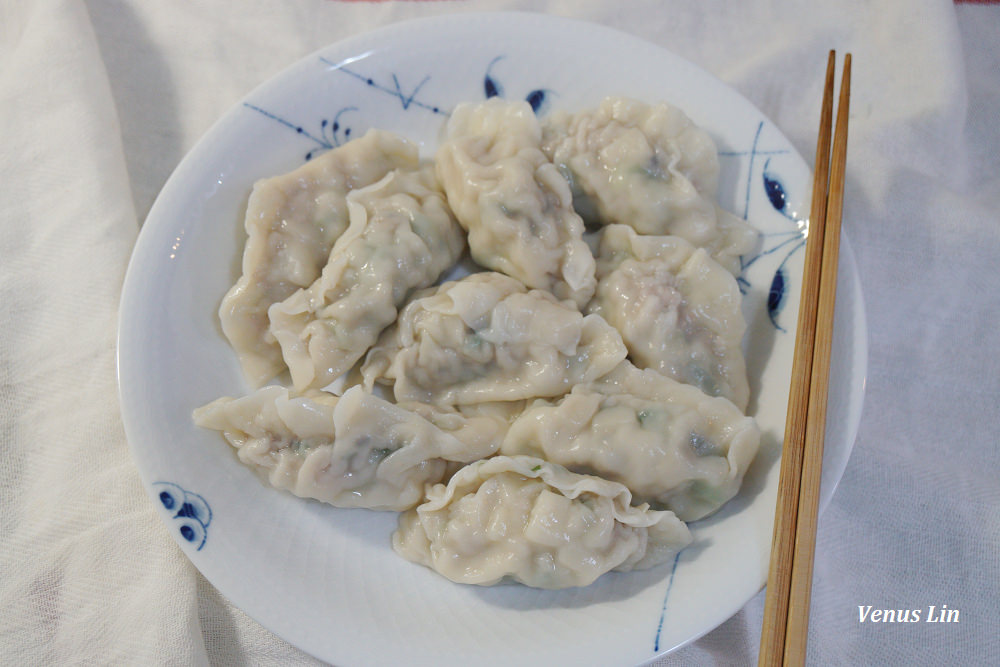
(326, 579)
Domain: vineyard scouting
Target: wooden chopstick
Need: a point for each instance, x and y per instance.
(805, 534)
(772, 641)
(786, 606)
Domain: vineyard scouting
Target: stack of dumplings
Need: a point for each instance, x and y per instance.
(557, 411)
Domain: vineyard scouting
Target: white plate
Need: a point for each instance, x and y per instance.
(326, 579)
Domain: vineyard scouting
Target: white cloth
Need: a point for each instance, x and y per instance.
(99, 102)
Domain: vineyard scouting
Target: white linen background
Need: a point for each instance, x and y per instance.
(100, 101)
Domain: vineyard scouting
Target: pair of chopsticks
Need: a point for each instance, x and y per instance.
(789, 581)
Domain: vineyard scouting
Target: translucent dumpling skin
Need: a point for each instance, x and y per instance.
(670, 444)
(527, 520)
(487, 338)
(402, 237)
(355, 451)
(678, 311)
(650, 167)
(292, 222)
(513, 202)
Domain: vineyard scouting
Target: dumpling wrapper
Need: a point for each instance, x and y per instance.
(514, 203)
(292, 222)
(650, 167)
(402, 237)
(480, 426)
(486, 338)
(527, 520)
(354, 451)
(669, 443)
(678, 311)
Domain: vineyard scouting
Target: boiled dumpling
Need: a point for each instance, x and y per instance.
(292, 222)
(487, 338)
(519, 440)
(527, 520)
(402, 237)
(678, 311)
(515, 205)
(355, 451)
(650, 167)
(670, 444)
(480, 427)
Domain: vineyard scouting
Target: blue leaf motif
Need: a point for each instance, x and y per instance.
(491, 88)
(775, 190)
(537, 100)
(775, 193)
(776, 296)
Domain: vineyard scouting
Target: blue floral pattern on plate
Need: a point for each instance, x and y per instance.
(191, 512)
(788, 242)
